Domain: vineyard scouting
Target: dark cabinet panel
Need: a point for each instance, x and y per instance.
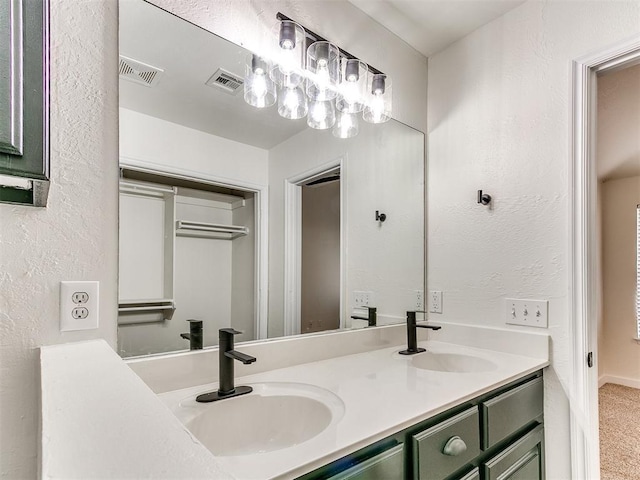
(24, 101)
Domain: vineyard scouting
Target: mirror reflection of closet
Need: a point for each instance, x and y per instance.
(190, 246)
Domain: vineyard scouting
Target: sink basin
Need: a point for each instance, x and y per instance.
(452, 362)
(273, 417)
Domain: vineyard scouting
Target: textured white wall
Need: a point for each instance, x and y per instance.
(75, 237)
(620, 356)
(499, 120)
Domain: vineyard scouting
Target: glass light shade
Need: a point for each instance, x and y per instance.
(323, 67)
(322, 114)
(292, 103)
(259, 89)
(352, 90)
(289, 57)
(378, 107)
(346, 125)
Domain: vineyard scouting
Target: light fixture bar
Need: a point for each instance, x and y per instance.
(317, 38)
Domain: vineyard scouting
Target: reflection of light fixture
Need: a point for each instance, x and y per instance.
(292, 103)
(346, 125)
(378, 109)
(259, 89)
(322, 114)
(331, 80)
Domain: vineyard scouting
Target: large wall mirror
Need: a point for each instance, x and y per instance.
(235, 217)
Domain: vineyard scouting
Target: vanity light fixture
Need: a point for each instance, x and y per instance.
(310, 76)
(259, 89)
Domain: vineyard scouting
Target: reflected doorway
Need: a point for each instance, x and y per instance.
(320, 254)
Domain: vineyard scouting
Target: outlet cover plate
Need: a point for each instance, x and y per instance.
(435, 301)
(529, 313)
(363, 299)
(75, 297)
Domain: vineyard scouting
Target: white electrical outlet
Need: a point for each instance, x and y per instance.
(78, 305)
(419, 300)
(363, 299)
(531, 313)
(435, 301)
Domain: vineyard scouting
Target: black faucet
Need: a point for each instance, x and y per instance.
(412, 342)
(227, 355)
(371, 317)
(195, 334)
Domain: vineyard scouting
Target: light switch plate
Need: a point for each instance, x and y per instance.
(435, 301)
(530, 313)
(363, 299)
(79, 305)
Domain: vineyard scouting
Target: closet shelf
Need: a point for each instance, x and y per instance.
(133, 311)
(209, 230)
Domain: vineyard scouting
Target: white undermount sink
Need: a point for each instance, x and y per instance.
(452, 362)
(272, 417)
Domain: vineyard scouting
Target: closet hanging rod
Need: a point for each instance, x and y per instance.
(183, 227)
(139, 186)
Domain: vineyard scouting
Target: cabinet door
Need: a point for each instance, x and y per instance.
(446, 447)
(24, 101)
(523, 460)
(388, 465)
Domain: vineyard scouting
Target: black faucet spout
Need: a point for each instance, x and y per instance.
(371, 318)
(412, 341)
(226, 358)
(242, 357)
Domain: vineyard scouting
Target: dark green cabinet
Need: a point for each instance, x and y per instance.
(496, 436)
(24, 102)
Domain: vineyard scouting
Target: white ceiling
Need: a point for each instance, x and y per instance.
(431, 25)
(189, 55)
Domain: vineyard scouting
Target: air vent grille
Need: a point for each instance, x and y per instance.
(225, 81)
(139, 72)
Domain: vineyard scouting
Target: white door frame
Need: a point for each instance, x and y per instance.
(293, 241)
(261, 197)
(585, 460)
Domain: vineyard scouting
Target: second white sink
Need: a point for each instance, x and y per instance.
(452, 362)
(273, 417)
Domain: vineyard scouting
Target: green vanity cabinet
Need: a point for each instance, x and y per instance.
(388, 465)
(496, 436)
(24, 102)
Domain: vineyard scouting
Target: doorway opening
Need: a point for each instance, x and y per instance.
(314, 242)
(586, 254)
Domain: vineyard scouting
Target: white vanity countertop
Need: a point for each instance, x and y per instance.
(382, 394)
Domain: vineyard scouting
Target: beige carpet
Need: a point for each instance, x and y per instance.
(619, 432)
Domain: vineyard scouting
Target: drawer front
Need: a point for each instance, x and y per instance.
(388, 465)
(430, 462)
(472, 475)
(523, 460)
(507, 413)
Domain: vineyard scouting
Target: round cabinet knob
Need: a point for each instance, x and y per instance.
(454, 446)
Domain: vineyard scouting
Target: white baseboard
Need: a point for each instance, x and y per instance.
(627, 382)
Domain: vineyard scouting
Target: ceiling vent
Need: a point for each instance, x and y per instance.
(139, 72)
(225, 81)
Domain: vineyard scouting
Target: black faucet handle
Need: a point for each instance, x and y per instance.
(230, 331)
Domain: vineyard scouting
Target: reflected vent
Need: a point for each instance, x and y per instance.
(225, 81)
(139, 72)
